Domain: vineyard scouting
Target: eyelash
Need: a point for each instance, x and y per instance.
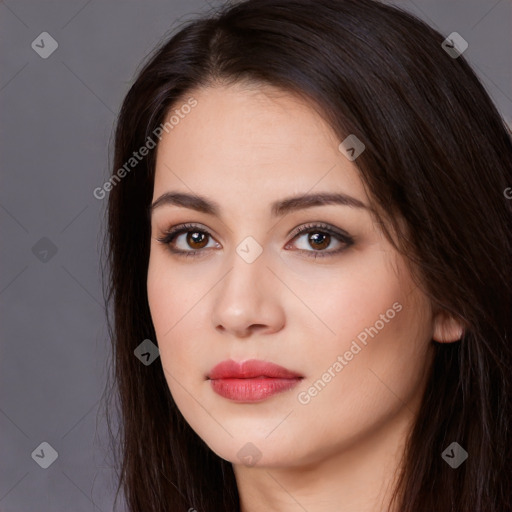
(171, 234)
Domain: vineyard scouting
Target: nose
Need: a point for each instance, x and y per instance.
(249, 299)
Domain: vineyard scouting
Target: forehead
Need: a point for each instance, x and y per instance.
(258, 138)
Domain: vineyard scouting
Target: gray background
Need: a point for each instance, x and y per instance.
(57, 119)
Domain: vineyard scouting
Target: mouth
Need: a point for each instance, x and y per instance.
(252, 380)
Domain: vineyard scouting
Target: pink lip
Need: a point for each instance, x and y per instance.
(252, 380)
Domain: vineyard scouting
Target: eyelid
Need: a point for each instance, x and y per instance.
(321, 226)
(179, 229)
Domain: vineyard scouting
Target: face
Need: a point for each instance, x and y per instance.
(333, 304)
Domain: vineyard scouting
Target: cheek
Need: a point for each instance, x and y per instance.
(175, 306)
(165, 305)
(378, 321)
(351, 298)
(170, 293)
(162, 302)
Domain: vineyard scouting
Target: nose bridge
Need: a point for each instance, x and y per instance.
(248, 264)
(245, 296)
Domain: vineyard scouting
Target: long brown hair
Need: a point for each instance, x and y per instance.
(438, 159)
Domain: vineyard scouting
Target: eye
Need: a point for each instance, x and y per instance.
(317, 236)
(196, 238)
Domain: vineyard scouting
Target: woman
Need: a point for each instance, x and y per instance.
(307, 217)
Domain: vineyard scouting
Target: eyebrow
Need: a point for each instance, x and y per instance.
(278, 208)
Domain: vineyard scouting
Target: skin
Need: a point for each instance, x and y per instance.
(244, 147)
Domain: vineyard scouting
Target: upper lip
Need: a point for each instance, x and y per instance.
(250, 369)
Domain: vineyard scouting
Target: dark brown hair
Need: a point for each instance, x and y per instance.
(438, 158)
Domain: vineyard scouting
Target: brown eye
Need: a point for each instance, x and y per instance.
(319, 240)
(196, 239)
(186, 240)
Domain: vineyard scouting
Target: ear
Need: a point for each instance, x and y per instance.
(447, 329)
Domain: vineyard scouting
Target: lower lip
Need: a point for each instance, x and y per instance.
(252, 390)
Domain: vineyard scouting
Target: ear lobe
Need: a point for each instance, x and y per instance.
(446, 328)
